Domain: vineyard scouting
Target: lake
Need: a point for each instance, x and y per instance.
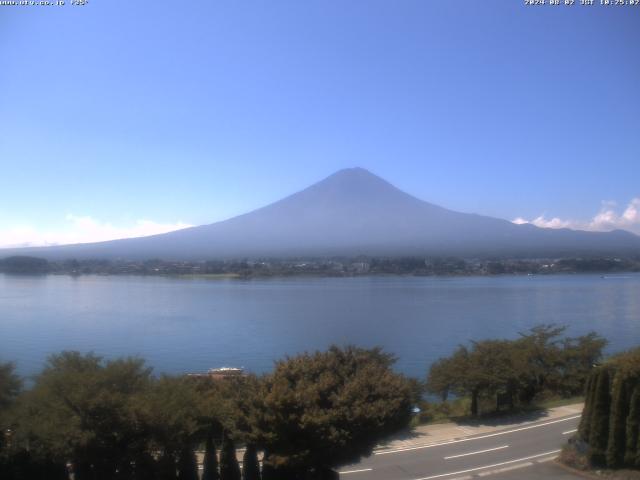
(190, 325)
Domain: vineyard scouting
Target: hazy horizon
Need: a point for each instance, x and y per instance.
(352, 212)
(145, 228)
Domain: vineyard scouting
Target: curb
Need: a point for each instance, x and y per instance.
(452, 439)
(575, 471)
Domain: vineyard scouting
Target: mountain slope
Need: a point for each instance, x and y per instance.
(349, 213)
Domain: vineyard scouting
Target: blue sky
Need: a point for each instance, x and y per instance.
(122, 118)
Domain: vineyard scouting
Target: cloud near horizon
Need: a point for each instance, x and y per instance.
(82, 229)
(608, 218)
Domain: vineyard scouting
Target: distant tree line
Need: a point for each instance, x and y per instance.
(609, 432)
(338, 266)
(510, 373)
(24, 265)
(105, 420)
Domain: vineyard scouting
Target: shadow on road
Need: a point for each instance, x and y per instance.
(495, 420)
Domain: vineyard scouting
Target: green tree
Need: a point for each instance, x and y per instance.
(442, 378)
(268, 471)
(229, 468)
(599, 431)
(250, 465)
(632, 450)
(577, 357)
(585, 421)
(169, 413)
(24, 265)
(496, 370)
(145, 467)
(453, 375)
(616, 446)
(611, 417)
(187, 464)
(210, 463)
(327, 409)
(10, 386)
(491, 368)
(517, 371)
(80, 409)
(541, 347)
(167, 467)
(24, 465)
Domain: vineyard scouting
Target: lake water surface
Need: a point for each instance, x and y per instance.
(185, 325)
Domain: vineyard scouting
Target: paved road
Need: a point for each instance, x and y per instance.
(548, 470)
(498, 453)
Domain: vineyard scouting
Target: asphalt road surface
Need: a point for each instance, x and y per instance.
(512, 453)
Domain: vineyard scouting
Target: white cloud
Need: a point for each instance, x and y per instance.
(82, 229)
(608, 218)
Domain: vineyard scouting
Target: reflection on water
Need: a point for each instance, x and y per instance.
(190, 325)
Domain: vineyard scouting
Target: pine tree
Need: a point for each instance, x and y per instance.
(268, 472)
(52, 470)
(167, 467)
(145, 467)
(633, 430)
(617, 422)
(229, 468)
(250, 466)
(585, 421)
(82, 470)
(187, 465)
(637, 462)
(124, 469)
(599, 430)
(474, 402)
(210, 464)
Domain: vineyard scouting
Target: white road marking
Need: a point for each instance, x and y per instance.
(489, 466)
(475, 453)
(570, 431)
(431, 445)
(505, 469)
(355, 471)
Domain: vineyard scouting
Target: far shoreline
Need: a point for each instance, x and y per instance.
(336, 267)
(234, 276)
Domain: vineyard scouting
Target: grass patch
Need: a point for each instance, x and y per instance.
(559, 402)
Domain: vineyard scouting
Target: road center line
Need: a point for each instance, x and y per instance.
(489, 466)
(570, 431)
(475, 453)
(355, 471)
(449, 442)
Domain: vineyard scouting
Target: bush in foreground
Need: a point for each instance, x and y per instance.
(610, 425)
(327, 409)
(507, 373)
